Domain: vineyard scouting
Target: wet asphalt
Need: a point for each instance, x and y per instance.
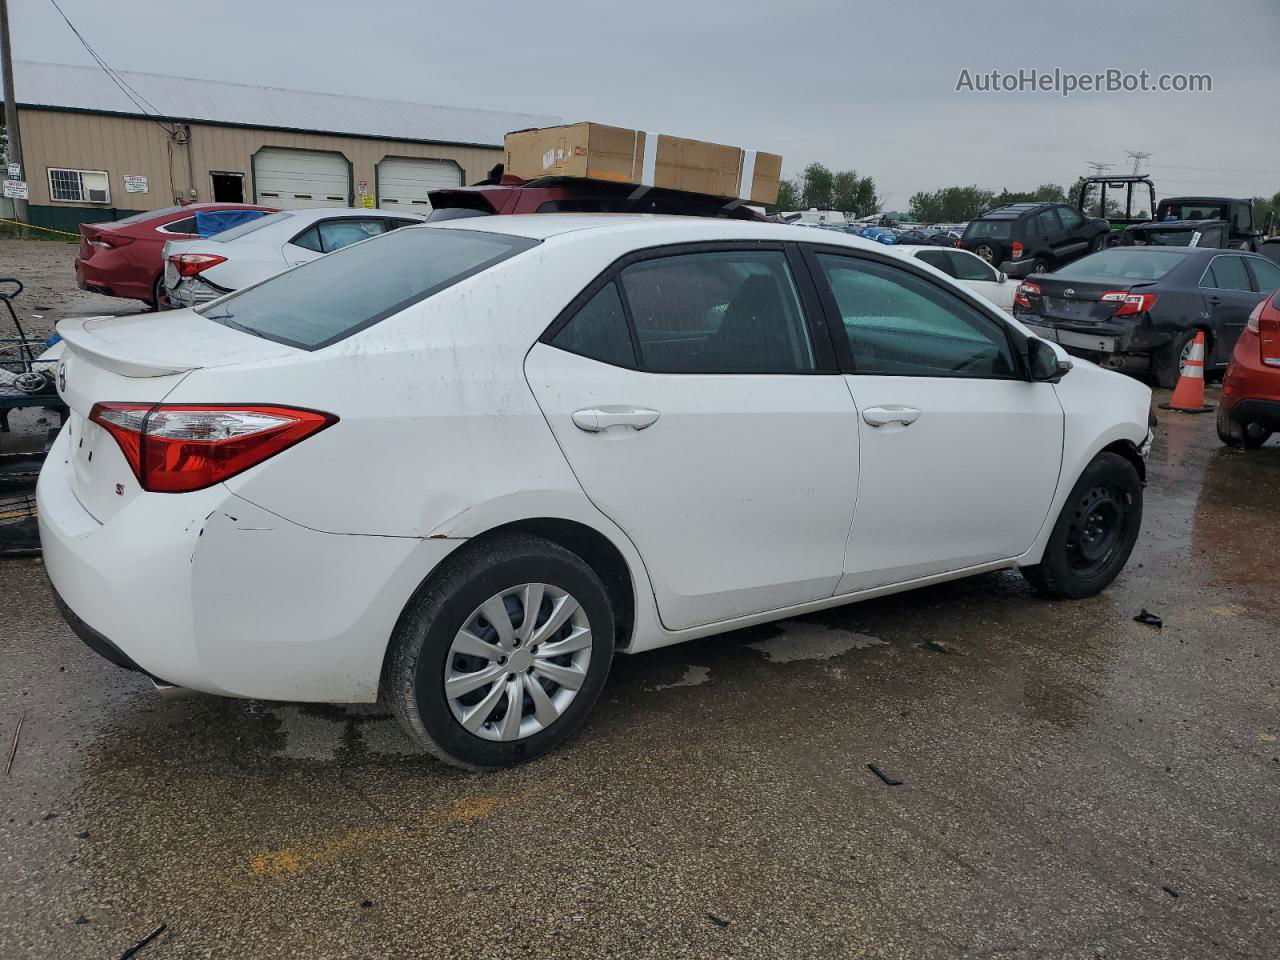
(1074, 784)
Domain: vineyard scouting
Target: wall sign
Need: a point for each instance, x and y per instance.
(15, 189)
(135, 184)
(15, 171)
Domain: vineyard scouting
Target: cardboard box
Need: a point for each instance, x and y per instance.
(600, 152)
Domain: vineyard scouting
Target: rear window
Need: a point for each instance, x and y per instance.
(149, 215)
(331, 298)
(1123, 263)
(251, 226)
(995, 229)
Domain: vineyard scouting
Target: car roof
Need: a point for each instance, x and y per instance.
(1014, 210)
(312, 214)
(654, 228)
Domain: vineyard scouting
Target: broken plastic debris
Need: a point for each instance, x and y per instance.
(883, 776)
(1149, 619)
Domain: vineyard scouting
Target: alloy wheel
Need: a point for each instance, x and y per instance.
(985, 252)
(518, 662)
(1185, 355)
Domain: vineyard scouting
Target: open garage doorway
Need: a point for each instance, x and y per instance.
(227, 187)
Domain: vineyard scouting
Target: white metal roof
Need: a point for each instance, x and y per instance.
(184, 98)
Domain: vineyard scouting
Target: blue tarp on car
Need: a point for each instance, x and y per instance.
(209, 222)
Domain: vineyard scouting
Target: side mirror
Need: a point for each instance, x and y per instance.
(1045, 364)
(1001, 276)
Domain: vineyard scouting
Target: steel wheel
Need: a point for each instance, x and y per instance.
(1094, 532)
(518, 662)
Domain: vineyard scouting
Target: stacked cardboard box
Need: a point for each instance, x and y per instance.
(600, 152)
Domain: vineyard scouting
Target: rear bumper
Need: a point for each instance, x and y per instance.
(192, 292)
(1251, 389)
(1111, 344)
(207, 591)
(1017, 268)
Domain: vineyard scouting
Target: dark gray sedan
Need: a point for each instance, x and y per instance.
(1140, 308)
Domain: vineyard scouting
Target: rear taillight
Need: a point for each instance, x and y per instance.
(189, 264)
(107, 241)
(1025, 291)
(1265, 322)
(1016, 249)
(1129, 304)
(180, 447)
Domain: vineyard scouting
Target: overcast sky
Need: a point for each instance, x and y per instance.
(861, 84)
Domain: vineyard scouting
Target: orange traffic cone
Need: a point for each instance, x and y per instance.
(1188, 395)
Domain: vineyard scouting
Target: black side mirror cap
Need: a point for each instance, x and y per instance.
(1044, 363)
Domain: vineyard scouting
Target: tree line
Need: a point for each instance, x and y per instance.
(821, 188)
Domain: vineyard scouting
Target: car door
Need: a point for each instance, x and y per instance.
(694, 392)
(1073, 243)
(959, 455)
(1229, 298)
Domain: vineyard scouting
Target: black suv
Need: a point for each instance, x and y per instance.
(1025, 238)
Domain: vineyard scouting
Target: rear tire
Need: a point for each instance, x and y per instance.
(1095, 532)
(988, 252)
(1241, 436)
(444, 637)
(157, 295)
(1040, 266)
(1166, 364)
(1099, 243)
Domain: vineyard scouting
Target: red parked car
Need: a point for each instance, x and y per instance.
(123, 258)
(1250, 408)
(504, 194)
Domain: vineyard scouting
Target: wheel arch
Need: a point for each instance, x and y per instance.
(1129, 450)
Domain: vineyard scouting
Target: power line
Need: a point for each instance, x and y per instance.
(136, 98)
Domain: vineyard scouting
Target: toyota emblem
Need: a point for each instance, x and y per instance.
(1068, 292)
(62, 377)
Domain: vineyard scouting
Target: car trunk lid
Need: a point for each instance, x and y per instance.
(134, 360)
(1076, 301)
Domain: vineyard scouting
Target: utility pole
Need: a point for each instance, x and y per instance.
(11, 109)
(1137, 156)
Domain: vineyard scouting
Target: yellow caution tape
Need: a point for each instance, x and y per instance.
(32, 226)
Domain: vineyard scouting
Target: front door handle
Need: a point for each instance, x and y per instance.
(596, 419)
(890, 413)
(1215, 301)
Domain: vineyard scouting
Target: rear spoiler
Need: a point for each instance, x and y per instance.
(83, 343)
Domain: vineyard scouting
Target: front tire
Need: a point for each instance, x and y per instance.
(501, 655)
(1095, 532)
(1099, 243)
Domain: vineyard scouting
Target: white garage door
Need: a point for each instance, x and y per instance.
(403, 184)
(294, 179)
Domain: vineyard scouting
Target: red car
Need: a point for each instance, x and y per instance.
(123, 258)
(503, 194)
(1250, 408)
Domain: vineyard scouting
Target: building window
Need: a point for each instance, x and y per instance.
(79, 186)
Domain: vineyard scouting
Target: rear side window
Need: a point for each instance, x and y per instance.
(1227, 273)
(940, 259)
(336, 234)
(1266, 273)
(331, 298)
(736, 311)
(599, 330)
(1047, 222)
(1070, 219)
(969, 267)
(186, 225)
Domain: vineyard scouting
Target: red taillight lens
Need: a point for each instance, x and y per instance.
(1026, 290)
(108, 241)
(1129, 304)
(179, 447)
(1016, 249)
(189, 264)
(1265, 322)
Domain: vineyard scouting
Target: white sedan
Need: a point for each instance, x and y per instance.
(464, 466)
(972, 271)
(197, 271)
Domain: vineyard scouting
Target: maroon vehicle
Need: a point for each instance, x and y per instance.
(123, 258)
(505, 194)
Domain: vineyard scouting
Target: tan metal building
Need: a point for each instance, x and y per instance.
(95, 152)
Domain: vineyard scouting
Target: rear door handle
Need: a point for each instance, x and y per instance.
(596, 419)
(890, 413)
(1215, 301)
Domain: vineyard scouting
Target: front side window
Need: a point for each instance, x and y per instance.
(899, 324)
(966, 266)
(79, 186)
(735, 311)
(336, 234)
(1227, 273)
(330, 298)
(1266, 273)
(1070, 219)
